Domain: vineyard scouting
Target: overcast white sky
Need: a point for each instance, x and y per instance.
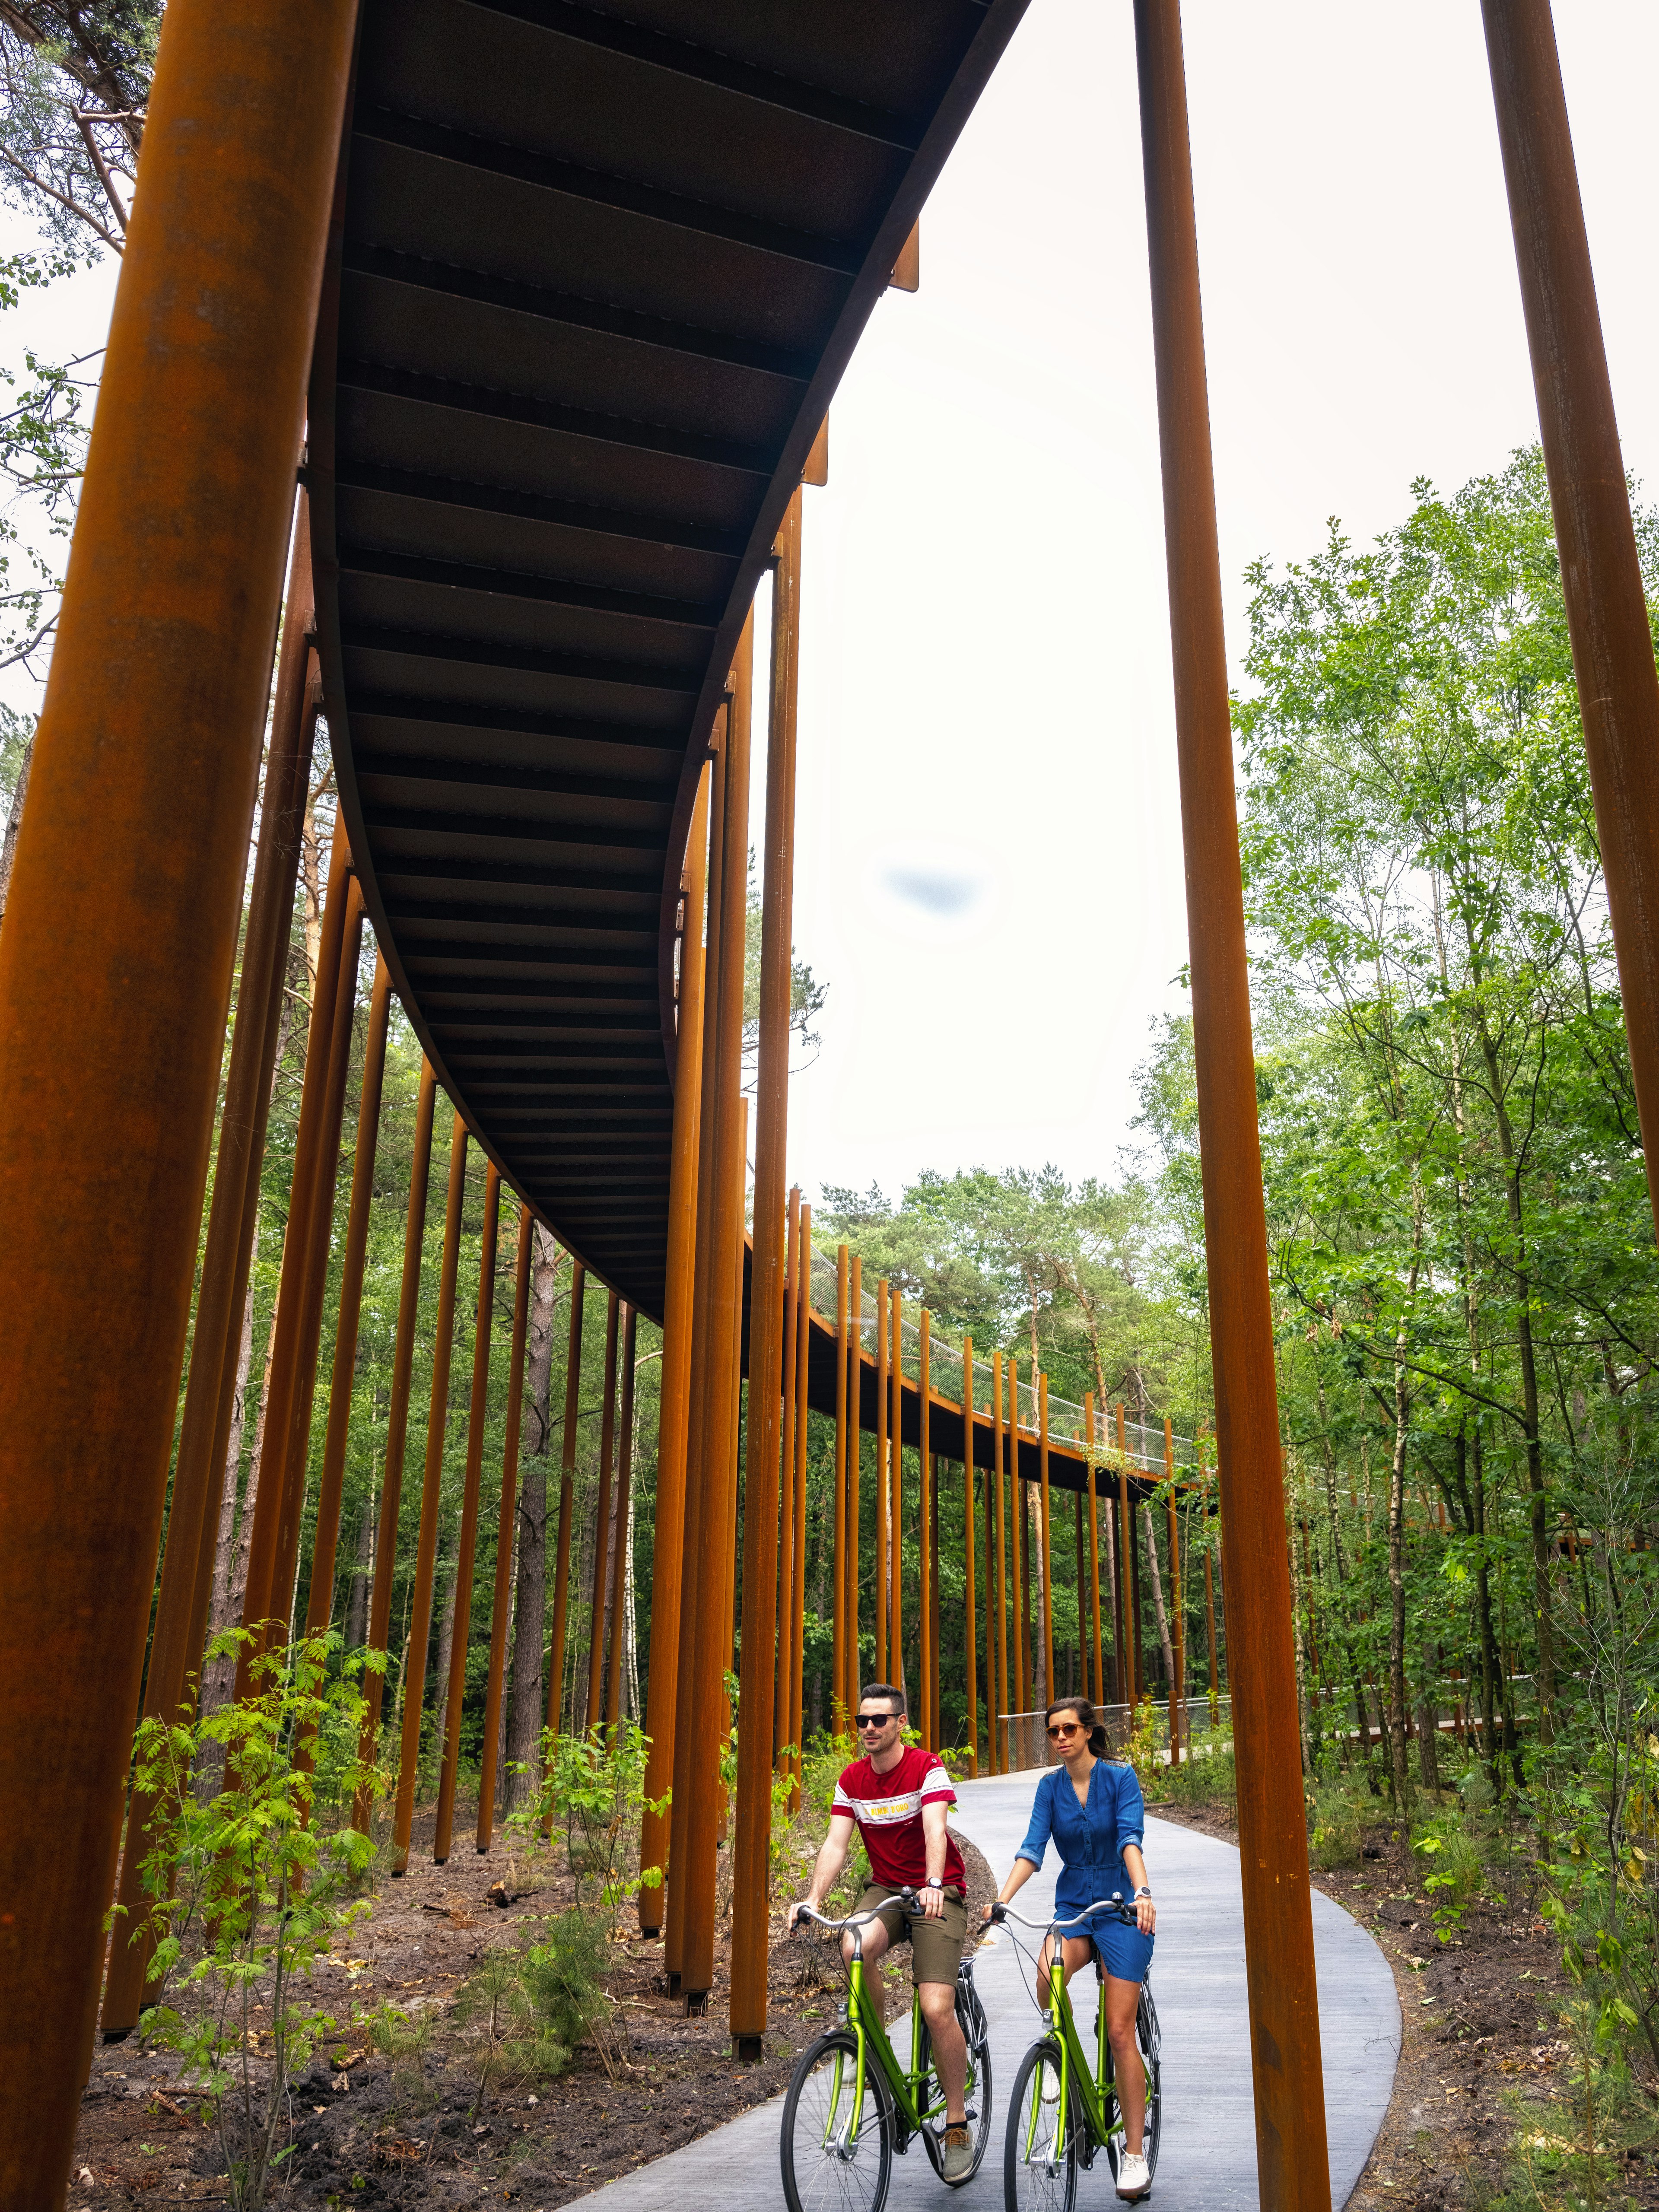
(989, 878)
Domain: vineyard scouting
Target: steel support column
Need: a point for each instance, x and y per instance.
(797, 1617)
(1129, 1658)
(883, 1480)
(1004, 1756)
(426, 1554)
(620, 1547)
(112, 1003)
(854, 1481)
(1094, 1546)
(1601, 575)
(718, 1447)
(397, 1427)
(1289, 2099)
(466, 1549)
(895, 1479)
(968, 1552)
(838, 1547)
(1177, 1626)
(199, 1469)
(675, 1390)
(573, 1382)
(1047, 1542)
(780, 1736)
(927, 1638)
(602, 1518)
(505, 1522)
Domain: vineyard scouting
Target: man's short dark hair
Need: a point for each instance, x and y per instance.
(888, 1690)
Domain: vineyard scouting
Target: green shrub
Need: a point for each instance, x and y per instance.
(1335, 1816)
(564, 1978)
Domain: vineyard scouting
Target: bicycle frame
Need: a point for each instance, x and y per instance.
(1074, 2067)
(868, 2027)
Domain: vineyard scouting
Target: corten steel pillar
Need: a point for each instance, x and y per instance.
(768, 1480)
(992, 1751)
(712, 1636)
(1094, 1546)
(426, 1554)
(466, 1549)
(1178, 1623)
(937, 1738)
(1601, 575)
(1021, 1563)
(112, 1003)
(1289, 2101)
(1006, 1741)
(780, 1735)
(896, 1497)
(602, 1516)
(314, 1283)
(288, 833)
(1082, 1638)
(884, 1484)
(573, 1382)
(854, 1480)
(321, 1603)
(927, 1638)
(620, 1550)
(797, 1618)
(675, 1385)
(261, 1596)
(1129, 1659)
(1047, 1542)
(397, 1427)
(697, 1424)
(967, 1552)
(838, 1547)
(1215, 1677)
(199, 1473)
(505, 1520)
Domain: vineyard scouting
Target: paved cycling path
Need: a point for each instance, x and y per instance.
(1208, 2162)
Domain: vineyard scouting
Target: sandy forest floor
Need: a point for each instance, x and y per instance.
(374, 2134)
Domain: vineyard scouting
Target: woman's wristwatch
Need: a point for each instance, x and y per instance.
(1143, 1892)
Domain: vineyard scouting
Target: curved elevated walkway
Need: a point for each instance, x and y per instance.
(1208, 2162)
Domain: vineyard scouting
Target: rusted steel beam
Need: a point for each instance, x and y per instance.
(620, 1549)
(796, 1617)
(466, 1549)
(112, 1003)
(262, 1591)
(780, 1735)
(883, 1479)
(697, 1404)
(1290, 2099)
(186, 1577)
(895, 1491)
(1601, 575)
(397, 1426)
(320, 1605)
(854, 1677)
(838, 1552)
(426, 1553)
(314, 1282)
(1177, 1625)
(505, 1520)
(602, 1517)
(715, 1532)
(667, 1562)
(972, 1652)
(1005, 1749)
(1094, 1549)
(927, 1667)
(1129, 1652)
(573, 1382)
(769, 1492)
(1048, 1543)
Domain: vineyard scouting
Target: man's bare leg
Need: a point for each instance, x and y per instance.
(939, 2009)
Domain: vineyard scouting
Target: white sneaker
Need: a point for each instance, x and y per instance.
(1133, 2179)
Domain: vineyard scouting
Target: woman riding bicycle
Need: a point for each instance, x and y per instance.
(1094, 1811)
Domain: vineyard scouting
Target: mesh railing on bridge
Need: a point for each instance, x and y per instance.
(1143, 1443)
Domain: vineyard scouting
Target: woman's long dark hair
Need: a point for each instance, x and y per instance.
(1085, 1712)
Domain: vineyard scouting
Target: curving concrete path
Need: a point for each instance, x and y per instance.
(1208, 2161)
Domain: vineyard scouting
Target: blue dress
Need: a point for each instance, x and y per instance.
(1089, 1839)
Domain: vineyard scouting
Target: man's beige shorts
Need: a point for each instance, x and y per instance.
(935, 1945)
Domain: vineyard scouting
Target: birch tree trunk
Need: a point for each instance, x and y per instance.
(1158, 1613)
(8, 846)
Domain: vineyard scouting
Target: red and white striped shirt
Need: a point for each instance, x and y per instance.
(888, 1810)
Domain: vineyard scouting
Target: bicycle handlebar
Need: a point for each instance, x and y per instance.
(1000, 1913)
(907, 1898)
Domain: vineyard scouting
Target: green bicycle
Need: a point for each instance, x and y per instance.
(1064, 2112)
(851, 2103)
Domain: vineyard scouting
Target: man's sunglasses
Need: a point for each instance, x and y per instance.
(873, 1720)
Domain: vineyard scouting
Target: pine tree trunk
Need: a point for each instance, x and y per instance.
(1159, 1614)
(524, 1707)
(357, 1617)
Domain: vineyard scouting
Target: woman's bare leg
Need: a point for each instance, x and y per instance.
(1122, 1999)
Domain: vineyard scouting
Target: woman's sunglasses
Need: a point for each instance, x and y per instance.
(1065, 1727)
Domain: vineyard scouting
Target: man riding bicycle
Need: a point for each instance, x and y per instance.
(898, 1798)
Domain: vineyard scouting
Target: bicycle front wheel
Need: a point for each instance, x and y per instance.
(837, 2147)
(1039, 2169)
